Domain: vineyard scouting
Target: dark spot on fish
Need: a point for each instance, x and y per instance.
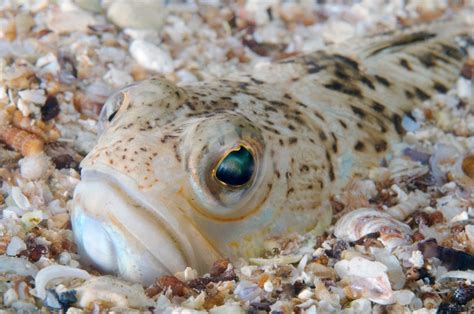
(320, 116)
(359, 146)
(381, 146)
(365, 80)
(427, 59)
(347, 61)
(312, 67)
(332, 177)
(340, 74)
(343, 124)
(301, 104)
(339, 87)
(290, 190)
(256, 81)
(334, 145)
(243, 85)
(440, 87)
(409, 94)
(304, 168)
(421, 94)
(452, 52)
(378, 106)
(278, 103)
(328, 156)
(383, 128)
(397, 123)
(292, 140)
(404, 63)
(382, 80)
(358, 111)
(322, 135)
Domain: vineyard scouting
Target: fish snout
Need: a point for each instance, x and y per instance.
(117, 236)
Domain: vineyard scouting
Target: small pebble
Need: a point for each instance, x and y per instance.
(34, 167)
(468, 166)
(15, 246)
(50, 109)
(151, 57)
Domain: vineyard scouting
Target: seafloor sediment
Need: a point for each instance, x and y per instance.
(60, 60)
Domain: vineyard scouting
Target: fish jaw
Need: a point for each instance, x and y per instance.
(118, 235)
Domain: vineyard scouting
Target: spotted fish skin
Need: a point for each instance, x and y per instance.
(312, 123)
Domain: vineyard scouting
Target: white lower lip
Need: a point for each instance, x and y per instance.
(136, 242)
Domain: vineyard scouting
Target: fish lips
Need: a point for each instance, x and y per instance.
(117, 234)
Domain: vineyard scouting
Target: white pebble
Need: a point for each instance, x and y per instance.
(117, 78)
(75, 264)
(76, 20)
(34, 167)
(416, 259)
(35, 96)
(19, 198)
(23, 107)
(305, 294)
(247, 291)
(151, 57)
(137, 14)
(15, 246)
(403, 297)
(64, 258)
(464, 88)
(190, 274)
(268, 286)
(48, 64)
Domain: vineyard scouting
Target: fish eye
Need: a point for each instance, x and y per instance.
(236, 168)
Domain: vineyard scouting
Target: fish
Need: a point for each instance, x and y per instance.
(184, 175)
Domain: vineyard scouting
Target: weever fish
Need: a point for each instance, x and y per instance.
(184, 175)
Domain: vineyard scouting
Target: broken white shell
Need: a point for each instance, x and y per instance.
(366, 279)
(49, 273)
(361, 222)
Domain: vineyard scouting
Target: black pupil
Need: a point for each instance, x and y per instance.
(236, 168)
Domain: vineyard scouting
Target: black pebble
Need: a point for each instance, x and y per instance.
(463, 294)
(50, 109)
(449, 308)
(64, 161)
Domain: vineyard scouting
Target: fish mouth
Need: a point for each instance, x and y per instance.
(117, 232)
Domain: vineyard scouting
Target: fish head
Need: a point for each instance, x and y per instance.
(171, 184)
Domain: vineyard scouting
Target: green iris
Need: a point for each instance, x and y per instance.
(236, 168)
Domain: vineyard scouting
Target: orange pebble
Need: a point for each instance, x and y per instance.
(468, 166)
(22, 141)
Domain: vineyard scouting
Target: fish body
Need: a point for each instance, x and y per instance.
(184, 175)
